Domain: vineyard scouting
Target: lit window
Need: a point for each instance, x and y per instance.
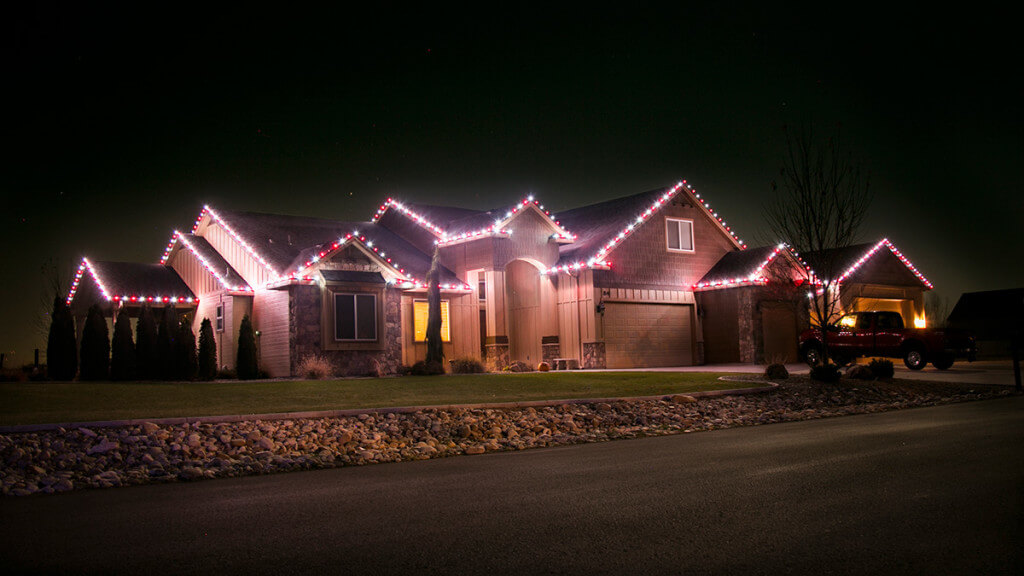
(420, 312)
(220, 318)
(679, 235)
(355, 317)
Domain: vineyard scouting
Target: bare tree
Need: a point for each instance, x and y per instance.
(937, 309)
(817, 207)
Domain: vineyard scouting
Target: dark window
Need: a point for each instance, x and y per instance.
(864, 322)
(890, 321)
(220, 318)
(481, 291)
(679, 235)
(355, 317)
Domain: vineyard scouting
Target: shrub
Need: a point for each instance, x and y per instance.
(207, 351)
(146, 359)
(825, 373)
(226, 374)
(186, 362)
(424, 368)
(467, 366)
(882, 369)
(61, 347)
(518, 366)
(122, 350)
(543, 367)
(95, 346)
(246, 364)
(314, 367)
(860, 372)
(776, 372)
(163, 368)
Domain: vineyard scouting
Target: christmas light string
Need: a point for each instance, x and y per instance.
(86, 265)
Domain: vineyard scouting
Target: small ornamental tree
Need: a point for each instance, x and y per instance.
(247, 366)
(186, 365)
(145, 345)
(122, 350)
(95, 346)
(61, 348)
(207, 351)
(435, 347)
(164, 368)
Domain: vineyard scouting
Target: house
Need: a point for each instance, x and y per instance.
(995, 318)
(652, 279)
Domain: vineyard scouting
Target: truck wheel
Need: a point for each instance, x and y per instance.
(812, 354)
(914, 358)
(944, 361)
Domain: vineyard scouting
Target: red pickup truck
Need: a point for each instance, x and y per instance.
(883, 334)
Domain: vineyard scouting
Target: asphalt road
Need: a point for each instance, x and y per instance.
(924, 491)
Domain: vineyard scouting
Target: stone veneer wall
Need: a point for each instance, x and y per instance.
(551, 351)
(594, 355)
(497, 357)
(306, 336)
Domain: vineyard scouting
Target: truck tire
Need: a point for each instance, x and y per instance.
(811, 353)
(944, 361)
(914, 358)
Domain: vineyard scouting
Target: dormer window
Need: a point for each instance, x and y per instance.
(679, 235)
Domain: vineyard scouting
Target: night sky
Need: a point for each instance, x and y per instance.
(121, 124)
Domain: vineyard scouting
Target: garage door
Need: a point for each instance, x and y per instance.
(648, 335)
(779, 331)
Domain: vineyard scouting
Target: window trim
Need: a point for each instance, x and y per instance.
(693, 244)
(355, 317)
(328, 316)
(219, 317)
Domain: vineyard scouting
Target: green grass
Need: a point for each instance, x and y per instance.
(51, 402)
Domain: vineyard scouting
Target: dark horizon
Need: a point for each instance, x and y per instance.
(126, 123)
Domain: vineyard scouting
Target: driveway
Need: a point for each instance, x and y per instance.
(997, 372)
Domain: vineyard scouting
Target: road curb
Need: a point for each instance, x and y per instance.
(22, 428)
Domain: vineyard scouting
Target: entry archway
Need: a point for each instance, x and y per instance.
(523, 285)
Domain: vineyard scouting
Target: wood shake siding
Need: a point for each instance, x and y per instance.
(643, 258)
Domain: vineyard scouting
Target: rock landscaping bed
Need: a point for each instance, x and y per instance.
(62, 460)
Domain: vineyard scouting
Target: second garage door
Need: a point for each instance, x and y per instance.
(648, 335)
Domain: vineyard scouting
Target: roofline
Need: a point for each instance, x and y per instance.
(443, 239)
(209, 267)
(361, 242)
(892, 248)
(600, 259)
(561, 235)
(87, 265)
(427, 225)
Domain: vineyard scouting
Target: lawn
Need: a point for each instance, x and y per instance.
(51, 402)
